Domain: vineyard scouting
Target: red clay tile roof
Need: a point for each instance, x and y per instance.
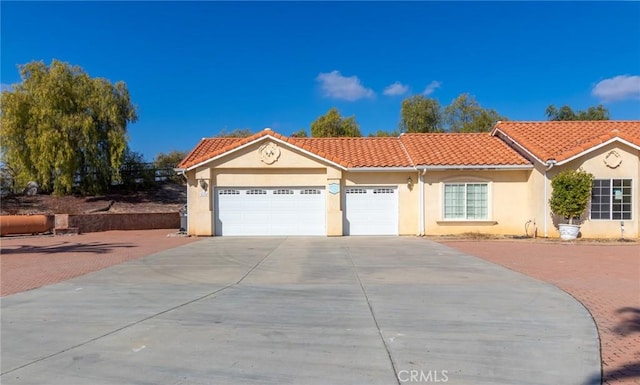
(347, 152)
(358, 152)
(407, 151)
(207, 148)
(467, 149)
(211, 147)
(561, 140)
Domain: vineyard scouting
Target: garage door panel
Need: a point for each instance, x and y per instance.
(371, 211)
(270, 211)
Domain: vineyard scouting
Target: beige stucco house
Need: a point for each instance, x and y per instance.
(415, 184)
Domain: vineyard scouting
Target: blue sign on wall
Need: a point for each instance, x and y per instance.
(334, 188)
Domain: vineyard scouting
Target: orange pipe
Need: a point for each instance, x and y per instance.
(25, 224)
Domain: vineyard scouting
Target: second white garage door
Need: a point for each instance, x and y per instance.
(371, 211)
(270, 211)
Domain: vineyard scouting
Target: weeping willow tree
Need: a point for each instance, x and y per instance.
(64, 129)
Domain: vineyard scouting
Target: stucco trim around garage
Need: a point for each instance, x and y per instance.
(258, 140)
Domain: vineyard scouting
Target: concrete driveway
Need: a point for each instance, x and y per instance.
(352, 310)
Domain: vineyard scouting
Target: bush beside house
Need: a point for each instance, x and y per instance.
(570, 197)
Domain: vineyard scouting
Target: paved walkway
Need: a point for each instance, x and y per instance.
(30, 262)
(350, 310)
(605, 278)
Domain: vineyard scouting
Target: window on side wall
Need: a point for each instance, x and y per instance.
(611, 199)
(466, 201)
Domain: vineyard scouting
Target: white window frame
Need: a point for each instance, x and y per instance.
(611, 196)
(465, 182)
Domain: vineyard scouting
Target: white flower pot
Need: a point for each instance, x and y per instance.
(568, 231)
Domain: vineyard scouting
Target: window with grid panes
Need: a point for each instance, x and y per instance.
(611, 199)
(466, 201)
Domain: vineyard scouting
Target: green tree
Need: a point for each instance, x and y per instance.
(135, 171)
(571, 193)
(465, 114)
(169, 160)
(383, 133)
(332, 124)
(235, 133)
(61, 128)
(420, 114)
(165, 163)
(302, 133)
(565, 112)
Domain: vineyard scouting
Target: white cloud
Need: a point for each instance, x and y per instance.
(431, 87)
(5, 87)
(336, 86)
(396, 89)
(618, 88)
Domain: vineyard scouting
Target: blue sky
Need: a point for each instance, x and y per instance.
(195, 68)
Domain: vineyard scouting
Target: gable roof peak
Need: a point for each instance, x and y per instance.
(566, 140)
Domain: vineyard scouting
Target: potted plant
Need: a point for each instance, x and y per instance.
(569, 199)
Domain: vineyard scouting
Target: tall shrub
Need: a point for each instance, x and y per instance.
(571, 193)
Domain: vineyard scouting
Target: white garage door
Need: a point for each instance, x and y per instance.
(270, 211)
(371, 211)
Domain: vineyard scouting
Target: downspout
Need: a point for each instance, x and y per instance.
(183, 172)
(550, 163)
(186, 230)
(419, 204)
(421, 197)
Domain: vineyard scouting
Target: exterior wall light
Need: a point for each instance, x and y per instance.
(409, 183)
(203, 184)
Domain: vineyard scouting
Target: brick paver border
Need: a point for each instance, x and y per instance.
(30, 262)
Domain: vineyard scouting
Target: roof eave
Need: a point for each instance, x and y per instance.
(382, 169)
(596, 147)
(496, 167)
(262, 138)
(521, 147)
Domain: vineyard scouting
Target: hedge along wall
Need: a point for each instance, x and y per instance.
(91, 223)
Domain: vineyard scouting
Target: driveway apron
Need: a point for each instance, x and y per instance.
(352, 310)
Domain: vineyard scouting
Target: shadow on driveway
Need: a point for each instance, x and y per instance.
(68, 247)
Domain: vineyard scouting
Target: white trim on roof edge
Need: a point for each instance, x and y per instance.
(381, 169)
(559, 163)
(504, 137)
(259, 140)
(479, 167)
(596, 147)
(420, 167)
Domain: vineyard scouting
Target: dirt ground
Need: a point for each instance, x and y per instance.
(605, 278)
(168, 197)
